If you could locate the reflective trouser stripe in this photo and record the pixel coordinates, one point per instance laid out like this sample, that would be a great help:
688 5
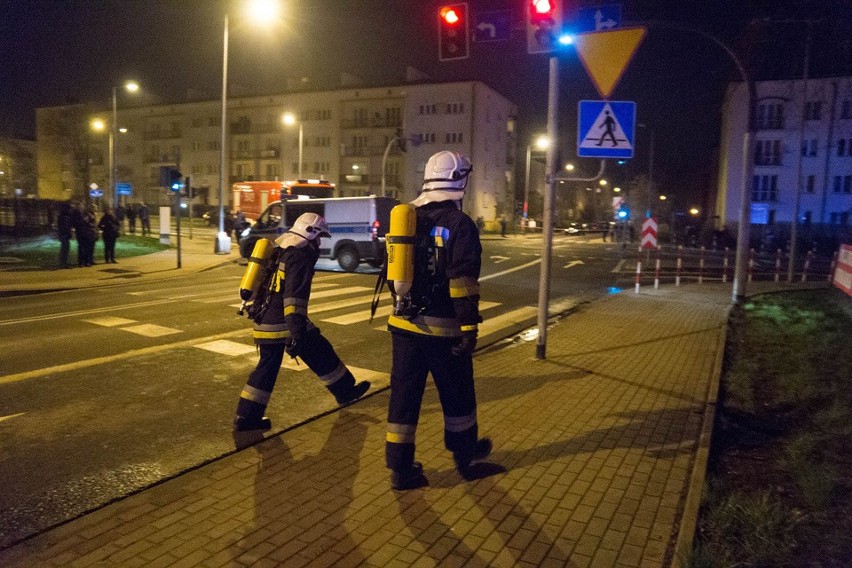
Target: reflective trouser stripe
255 395
459 423
427 325
401 433
334 376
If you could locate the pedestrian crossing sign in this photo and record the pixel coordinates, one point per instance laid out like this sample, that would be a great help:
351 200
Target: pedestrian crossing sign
606 129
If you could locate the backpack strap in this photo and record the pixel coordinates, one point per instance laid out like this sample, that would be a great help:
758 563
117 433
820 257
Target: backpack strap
380 284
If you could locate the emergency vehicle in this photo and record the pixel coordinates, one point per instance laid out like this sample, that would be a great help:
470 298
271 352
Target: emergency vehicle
252 197
358 226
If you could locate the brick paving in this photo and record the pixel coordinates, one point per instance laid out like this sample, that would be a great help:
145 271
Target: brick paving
601 451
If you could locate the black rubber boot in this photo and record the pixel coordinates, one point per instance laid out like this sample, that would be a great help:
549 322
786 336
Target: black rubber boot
353 394
481 450
412 478
243 424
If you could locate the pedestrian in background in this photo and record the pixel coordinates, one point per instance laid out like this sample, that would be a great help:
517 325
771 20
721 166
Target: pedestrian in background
503 226
65 229
131 217
437 334
87 235
119 216
145 219
110 228
285 327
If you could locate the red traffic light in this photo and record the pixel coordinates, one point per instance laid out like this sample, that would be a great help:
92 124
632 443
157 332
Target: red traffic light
452 32
450 15
543 7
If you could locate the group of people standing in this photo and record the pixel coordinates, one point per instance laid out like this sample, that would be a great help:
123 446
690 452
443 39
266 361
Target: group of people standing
80 222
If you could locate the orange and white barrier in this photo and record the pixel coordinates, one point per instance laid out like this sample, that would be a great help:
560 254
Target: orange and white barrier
843 269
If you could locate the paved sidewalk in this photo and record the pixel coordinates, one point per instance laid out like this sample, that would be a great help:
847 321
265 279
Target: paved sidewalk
196 254
603 446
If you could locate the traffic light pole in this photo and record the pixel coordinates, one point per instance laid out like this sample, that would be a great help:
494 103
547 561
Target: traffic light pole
549 200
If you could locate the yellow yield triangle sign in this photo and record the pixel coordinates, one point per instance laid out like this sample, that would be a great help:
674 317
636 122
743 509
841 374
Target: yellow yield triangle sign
605 55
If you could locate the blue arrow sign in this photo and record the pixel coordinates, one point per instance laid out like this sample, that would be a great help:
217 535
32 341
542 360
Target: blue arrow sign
96 193
492 26
599 18
606 129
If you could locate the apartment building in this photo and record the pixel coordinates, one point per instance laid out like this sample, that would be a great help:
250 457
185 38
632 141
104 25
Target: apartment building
802 158
347 136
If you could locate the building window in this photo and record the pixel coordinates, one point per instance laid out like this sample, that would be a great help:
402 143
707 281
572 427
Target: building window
272 171
770 116
809 184
213 121
842 184
455 108
840 218
809 147
768 153
213 145
453 138
429 109
844 147
807 217
764 188
846 109
813 110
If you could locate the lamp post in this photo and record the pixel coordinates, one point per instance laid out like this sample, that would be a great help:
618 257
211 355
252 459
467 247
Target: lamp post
130 87
541 143
262 11
290 119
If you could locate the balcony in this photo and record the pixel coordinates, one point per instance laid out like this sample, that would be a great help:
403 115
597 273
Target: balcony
767 160
376 122
171 134
161 158
349 151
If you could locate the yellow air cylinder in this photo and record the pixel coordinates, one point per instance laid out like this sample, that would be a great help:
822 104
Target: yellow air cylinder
255 269
400 247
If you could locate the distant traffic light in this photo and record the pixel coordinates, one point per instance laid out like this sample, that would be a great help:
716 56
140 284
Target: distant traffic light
544 25
452 32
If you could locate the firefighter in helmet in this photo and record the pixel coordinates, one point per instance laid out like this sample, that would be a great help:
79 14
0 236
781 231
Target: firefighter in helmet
434 329
285 327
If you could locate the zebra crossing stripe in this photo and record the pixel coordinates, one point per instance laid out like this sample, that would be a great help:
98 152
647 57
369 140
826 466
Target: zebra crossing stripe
491 325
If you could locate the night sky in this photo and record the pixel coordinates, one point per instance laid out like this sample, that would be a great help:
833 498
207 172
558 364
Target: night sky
62 51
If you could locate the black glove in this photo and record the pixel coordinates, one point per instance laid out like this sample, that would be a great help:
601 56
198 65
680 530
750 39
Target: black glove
466 345
293 343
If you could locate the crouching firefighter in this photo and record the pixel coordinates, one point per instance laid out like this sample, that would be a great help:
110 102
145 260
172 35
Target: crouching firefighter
433 272
278 280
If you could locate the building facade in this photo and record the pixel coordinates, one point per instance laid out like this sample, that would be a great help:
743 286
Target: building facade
17 168
348 136
802 154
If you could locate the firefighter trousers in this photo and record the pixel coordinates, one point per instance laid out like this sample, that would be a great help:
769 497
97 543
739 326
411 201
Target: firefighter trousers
318 355
414 357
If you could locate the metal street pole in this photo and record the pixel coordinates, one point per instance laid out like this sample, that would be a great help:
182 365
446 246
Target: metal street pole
549 201
794 225
301 134
113 135
527 187
223 165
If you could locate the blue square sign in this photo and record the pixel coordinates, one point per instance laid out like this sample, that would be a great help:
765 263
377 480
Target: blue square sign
606 129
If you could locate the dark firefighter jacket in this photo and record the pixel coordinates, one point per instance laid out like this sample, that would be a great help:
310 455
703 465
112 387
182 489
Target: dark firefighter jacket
453 306
288 307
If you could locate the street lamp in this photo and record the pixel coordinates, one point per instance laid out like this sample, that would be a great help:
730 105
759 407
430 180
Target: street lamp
130 87
263 12
541 144
290 119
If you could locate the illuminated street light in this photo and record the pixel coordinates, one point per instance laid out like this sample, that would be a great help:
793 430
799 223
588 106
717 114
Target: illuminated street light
616 189
98 125
130 87
569 167
694 211
290 119
541 143
263 12
662 198
602 182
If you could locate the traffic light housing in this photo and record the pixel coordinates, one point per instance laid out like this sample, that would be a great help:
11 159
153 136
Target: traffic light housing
170 178
452 32
544 25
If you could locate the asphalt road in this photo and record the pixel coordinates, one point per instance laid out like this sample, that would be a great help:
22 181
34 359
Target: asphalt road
104 392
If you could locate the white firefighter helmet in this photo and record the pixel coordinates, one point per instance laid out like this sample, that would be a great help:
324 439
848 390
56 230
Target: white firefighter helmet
307 227
445 178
